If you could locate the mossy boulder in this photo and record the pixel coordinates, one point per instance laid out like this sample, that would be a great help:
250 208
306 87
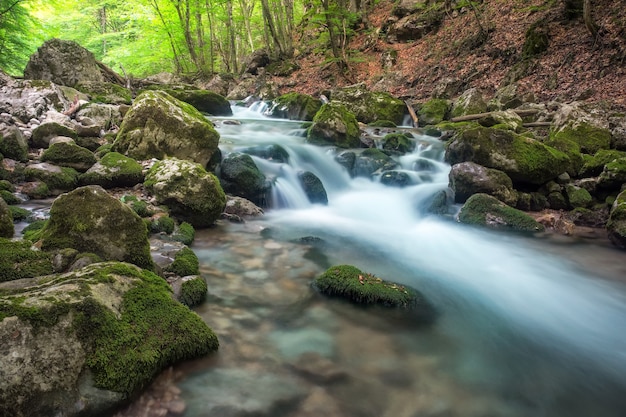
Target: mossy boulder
57 179
13 144
433 111
569 148
9 197
577 197
334 125
69 155
205 101
504 119
48 130
240 176
485 210
193 290
470 102
159 126
589 137
313 187
295 106
372 161
593 166
536 39
185 263
273 152
398 143
18 260
616 226
190 192
368 106
349 282
524 160
88 219
92 337
469 178
184 233
106 93
397 178
6 220
114 170
614 174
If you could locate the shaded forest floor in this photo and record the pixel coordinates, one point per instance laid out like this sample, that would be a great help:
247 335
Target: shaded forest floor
574 67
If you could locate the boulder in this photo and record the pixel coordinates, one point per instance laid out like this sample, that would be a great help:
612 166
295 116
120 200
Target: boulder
190 192
433 111
240 176
273 152
524 160
104 92
205 101
371 161
18 260
106 116
577 197
616 226
160 126
31 99
57 179
590 138
241 208
295 106
257 59
368 106
64 63
113 170
69 155
503 119
13 144
88 219
84 342
6 220
55 124
334 125
313 187
469 178
593 166
614 175
415 25
485 210
397 178
586 124
398 143
470 102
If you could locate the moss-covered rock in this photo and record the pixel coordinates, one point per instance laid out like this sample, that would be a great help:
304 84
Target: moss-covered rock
614 174
523 159
349 282
113 170
433 111
313 187
88 219
6 220
18 260
368 106
57 179
485 210
35 190
577 196
398 143
371 161
616 226
13 144
506 119
397 178
205 101
536 39
9 197
162 224
334 125
569 148
593 166
112 321
184 233
470 102
273 152
295 106
590 138
48 130
69 155
190 192
103 92
18 213
193 291
240 176
158 126
185 263
32 232
469 178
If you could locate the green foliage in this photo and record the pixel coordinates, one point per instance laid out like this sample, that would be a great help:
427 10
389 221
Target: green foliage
19 213
193 291
185 263
19 36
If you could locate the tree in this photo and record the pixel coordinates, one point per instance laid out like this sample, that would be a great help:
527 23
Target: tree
18 35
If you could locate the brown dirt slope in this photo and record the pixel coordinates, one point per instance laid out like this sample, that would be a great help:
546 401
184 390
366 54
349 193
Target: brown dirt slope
575 66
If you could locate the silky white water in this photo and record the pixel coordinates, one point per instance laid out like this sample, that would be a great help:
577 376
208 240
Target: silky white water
523 329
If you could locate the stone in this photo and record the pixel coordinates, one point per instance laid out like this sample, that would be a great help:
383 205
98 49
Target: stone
371 161
240 207
334 125
7 229
369 106
113 170
469 178
88 219
470 102
69 155
433 111
240 176
295 106
159 126
13 144
616 225
205 101
57 179
190 192
313 187
104 92
487 211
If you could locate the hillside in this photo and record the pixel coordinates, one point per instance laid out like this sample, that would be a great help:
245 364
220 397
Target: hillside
575 66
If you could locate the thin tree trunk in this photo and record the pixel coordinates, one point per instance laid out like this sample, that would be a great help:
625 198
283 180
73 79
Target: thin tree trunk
231 36
590 24
211 36
177 62
200 37
267 14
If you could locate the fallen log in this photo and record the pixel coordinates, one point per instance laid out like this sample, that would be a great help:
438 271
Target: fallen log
537 124
412 114
468 117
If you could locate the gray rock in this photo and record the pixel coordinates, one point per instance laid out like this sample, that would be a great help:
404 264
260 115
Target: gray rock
240 176
616 226
469 178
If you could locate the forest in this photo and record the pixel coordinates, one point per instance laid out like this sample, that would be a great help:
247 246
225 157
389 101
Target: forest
185 36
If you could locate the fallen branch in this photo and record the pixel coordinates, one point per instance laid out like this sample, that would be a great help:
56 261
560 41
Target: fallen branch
537 124
467 117
412 114
73 108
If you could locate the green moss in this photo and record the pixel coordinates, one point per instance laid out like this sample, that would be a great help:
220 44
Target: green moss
193 291
103 92
45 316
185 263
9 197
351 283
164 224
32 232
334 125
590 138
18 260
19 213
203 100
184 233
398 142
103 150
6 185
434 111
578 197
594 165
536 40
65 180
69 155
296 106
485 210
152 332
117 171
569 148
382 123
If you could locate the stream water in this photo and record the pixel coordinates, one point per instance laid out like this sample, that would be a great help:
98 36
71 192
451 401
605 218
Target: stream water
526 326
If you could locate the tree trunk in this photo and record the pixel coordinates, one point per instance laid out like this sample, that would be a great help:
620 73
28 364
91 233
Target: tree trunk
590 24
231 32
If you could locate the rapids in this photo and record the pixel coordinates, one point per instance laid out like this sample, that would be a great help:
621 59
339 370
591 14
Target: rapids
527 326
